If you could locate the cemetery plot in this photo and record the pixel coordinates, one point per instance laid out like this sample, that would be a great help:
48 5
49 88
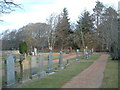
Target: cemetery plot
62 76
35 66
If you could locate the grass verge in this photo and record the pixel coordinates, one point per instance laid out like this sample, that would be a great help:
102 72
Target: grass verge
110 79
94 57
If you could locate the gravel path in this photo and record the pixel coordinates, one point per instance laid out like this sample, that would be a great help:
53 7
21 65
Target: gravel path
91 77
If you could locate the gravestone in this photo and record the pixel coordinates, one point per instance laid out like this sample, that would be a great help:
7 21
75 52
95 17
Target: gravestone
10 71
84 55
35 51
89 53
92 50
24 69
50 67
60 66
77 56
33 67
41 71
67 63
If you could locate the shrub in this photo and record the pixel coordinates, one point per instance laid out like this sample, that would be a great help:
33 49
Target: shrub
23 47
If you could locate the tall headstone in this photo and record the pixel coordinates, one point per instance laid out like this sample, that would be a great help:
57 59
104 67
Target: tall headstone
60 66
33 66
77 55
35 51
84 54
89 53
25 70
50 66
41 71
10 71
92 50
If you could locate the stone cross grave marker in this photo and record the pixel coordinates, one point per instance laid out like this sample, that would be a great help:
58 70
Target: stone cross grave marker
60 66
41 71
33 66
10 71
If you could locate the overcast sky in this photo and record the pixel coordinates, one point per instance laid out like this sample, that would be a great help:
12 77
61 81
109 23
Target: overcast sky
39 10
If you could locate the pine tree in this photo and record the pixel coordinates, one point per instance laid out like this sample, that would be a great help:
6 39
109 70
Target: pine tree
84 28
63 30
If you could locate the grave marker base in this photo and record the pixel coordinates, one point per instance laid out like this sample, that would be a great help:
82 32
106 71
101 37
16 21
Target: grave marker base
42 74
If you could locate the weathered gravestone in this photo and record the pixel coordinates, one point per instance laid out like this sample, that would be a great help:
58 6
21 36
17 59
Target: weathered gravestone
10 71
60 66
50 66
33 67
41 71
25 70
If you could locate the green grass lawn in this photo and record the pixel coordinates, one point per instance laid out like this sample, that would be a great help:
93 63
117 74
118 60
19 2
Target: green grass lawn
59 78
57 56
92 57
111 75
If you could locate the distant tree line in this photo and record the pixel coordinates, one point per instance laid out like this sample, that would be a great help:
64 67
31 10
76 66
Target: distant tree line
98 30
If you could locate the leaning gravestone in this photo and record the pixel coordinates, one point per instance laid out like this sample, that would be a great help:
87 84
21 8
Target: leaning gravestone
60 66
41 71
50 67
33 67
10 71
